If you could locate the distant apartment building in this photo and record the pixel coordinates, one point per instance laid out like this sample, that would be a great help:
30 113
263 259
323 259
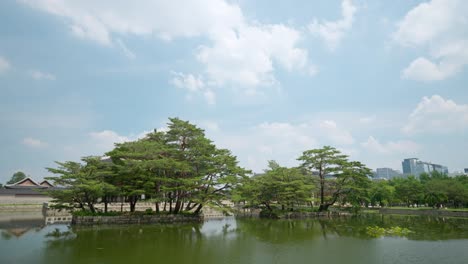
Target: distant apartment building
386 173
416 167
466 171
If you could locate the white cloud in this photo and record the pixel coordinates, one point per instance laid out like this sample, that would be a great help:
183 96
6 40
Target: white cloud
239 52
402 147
337 135
281 141
38 75
4 65
194 85
332 32
441 26
104 140
187 81
34 143
423 69
246 55
436 114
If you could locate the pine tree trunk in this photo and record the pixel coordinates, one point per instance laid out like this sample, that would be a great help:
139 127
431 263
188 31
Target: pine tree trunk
198 209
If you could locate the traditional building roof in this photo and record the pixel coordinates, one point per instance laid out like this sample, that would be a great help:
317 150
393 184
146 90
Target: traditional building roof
29 183
46 183
24 183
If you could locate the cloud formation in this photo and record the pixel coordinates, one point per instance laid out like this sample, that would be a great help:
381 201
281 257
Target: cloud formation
391 147
238 52
33 143
332 32
39 75
441 27
437 115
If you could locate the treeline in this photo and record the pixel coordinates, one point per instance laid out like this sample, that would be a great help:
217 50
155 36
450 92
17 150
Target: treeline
324 177
178 169
434 190
181 170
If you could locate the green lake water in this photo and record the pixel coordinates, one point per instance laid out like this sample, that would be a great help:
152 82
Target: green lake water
338 240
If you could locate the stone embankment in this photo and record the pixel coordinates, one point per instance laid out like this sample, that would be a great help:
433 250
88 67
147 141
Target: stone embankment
21 207
135 219
304 215
428 212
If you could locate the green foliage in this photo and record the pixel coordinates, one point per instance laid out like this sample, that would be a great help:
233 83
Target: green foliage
17 176
339 179
278 189
179 168
84 183
285 188
435 190
89 213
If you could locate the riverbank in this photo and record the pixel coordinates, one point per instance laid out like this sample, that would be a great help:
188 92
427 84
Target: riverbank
135 219
428 212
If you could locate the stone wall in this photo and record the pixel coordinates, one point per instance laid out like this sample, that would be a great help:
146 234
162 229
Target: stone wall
21 208
304 215
135 219
24 199
429 212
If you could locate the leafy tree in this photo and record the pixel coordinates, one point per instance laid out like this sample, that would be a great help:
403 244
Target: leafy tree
381 193
435 192
338 178
84 185
408 190
178 167
17 176
286 187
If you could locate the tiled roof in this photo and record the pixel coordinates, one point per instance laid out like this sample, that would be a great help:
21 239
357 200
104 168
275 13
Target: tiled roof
21 181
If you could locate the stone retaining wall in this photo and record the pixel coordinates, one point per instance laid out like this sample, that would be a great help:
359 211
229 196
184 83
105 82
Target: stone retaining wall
429 212
21 207
304 215
135 219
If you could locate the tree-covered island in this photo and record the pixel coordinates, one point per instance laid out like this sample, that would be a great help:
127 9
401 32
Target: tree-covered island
180 170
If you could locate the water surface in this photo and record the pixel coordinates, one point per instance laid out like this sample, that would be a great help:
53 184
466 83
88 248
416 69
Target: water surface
338 240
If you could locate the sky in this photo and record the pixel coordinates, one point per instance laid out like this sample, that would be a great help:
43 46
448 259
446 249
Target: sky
379 80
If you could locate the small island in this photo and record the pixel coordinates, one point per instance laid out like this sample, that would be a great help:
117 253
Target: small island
175 174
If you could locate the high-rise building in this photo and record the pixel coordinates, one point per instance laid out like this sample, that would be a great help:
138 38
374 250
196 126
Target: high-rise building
414 166
386 173
466 170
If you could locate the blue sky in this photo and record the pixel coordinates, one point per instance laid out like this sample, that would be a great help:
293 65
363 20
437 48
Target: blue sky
380 80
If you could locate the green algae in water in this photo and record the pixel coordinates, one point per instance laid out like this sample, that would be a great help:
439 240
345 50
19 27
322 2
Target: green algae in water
376 231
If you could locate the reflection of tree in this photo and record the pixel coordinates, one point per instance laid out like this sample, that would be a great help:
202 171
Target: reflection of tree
6 235
121 244
189 243
421 227
279 231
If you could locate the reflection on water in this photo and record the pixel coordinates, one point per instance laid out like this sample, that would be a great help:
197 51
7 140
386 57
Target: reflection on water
338 240
17 224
